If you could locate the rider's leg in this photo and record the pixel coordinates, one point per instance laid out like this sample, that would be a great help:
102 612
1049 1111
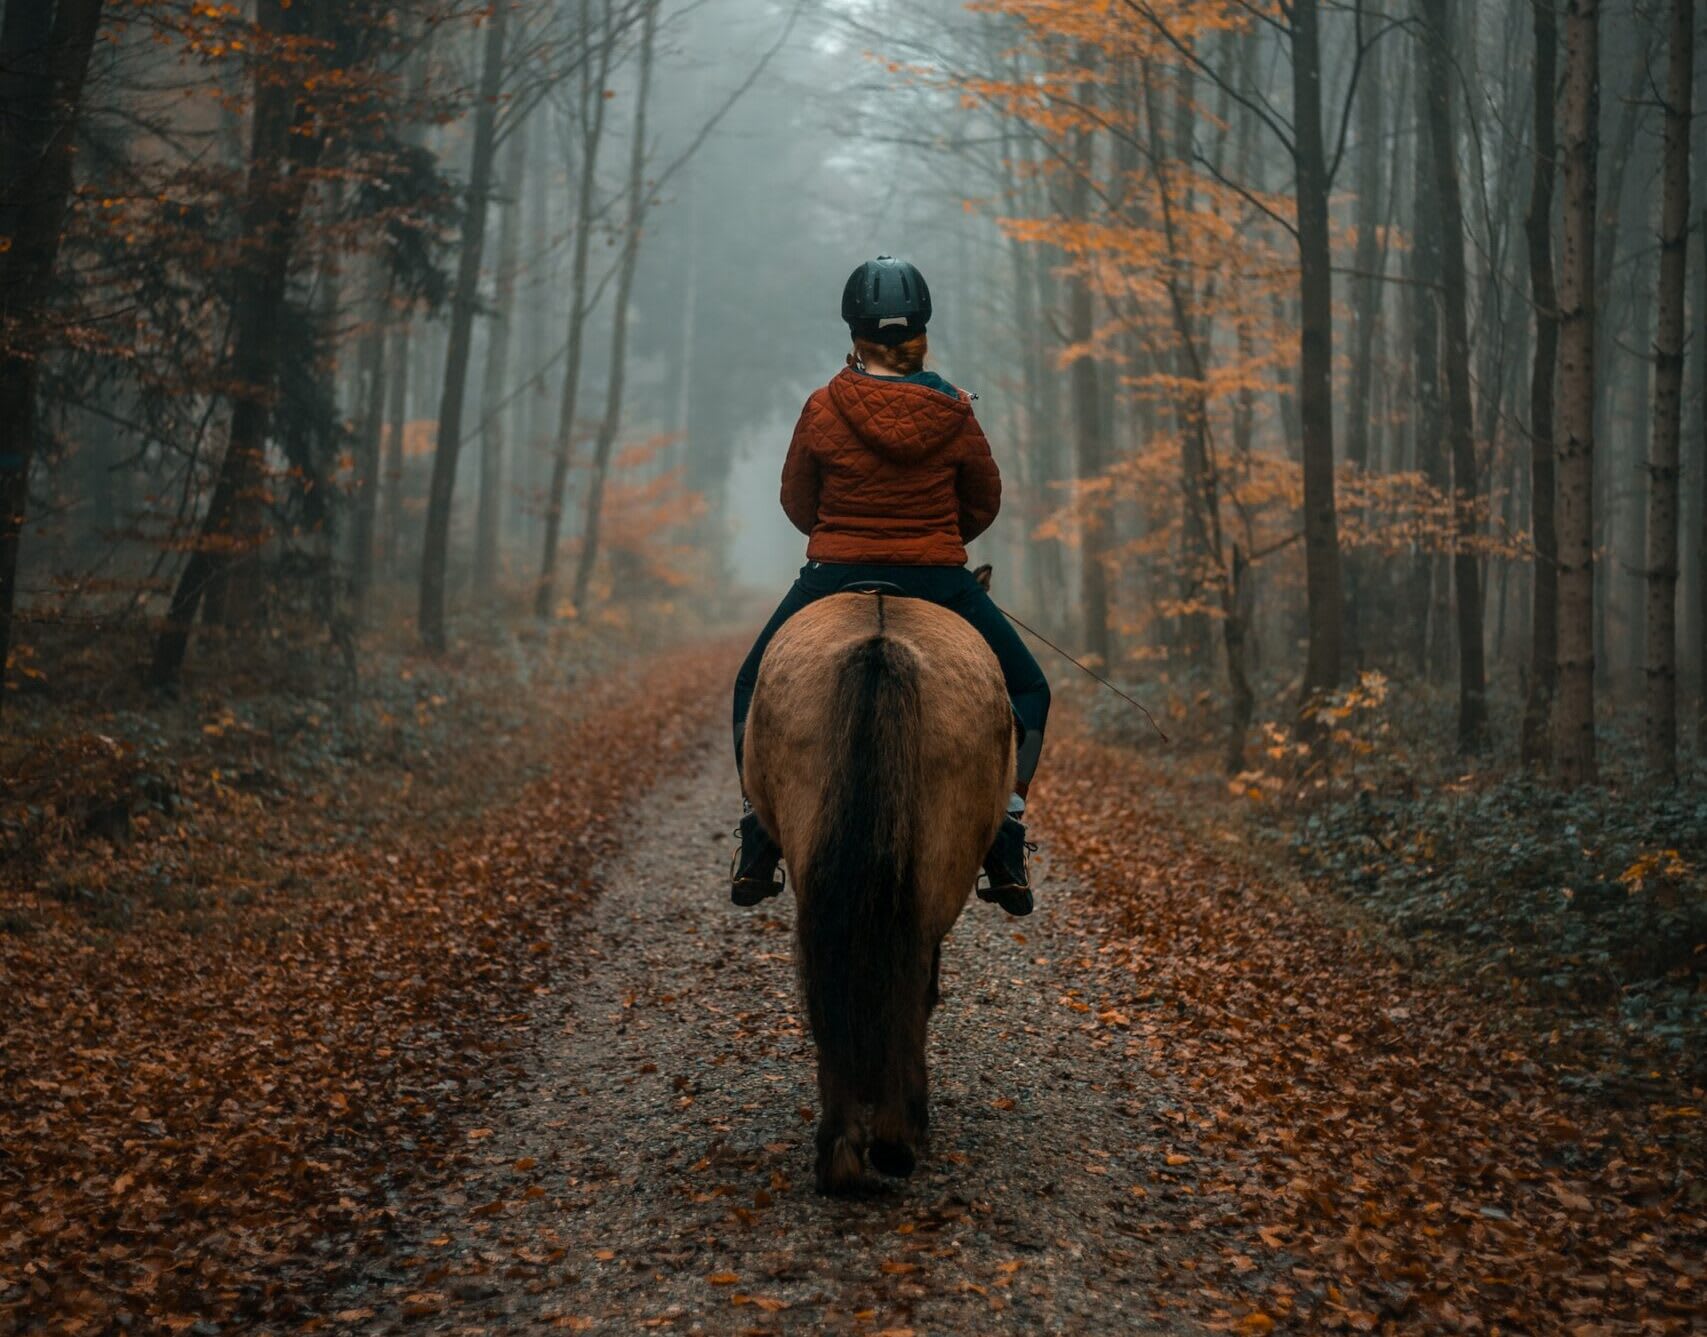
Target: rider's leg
747 677
1010 883
754 875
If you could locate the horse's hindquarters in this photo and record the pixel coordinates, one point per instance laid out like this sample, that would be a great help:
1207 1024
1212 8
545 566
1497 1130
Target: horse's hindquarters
879 752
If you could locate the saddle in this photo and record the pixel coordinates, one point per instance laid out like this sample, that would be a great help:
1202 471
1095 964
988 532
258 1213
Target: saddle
888 587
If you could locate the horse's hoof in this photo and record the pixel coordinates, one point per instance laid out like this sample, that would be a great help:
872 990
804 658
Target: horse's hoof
840 1168
895 1159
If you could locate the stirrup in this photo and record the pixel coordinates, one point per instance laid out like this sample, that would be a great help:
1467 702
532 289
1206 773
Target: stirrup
1014 898
746 891
751 890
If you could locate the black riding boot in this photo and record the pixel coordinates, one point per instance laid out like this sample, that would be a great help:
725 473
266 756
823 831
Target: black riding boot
1004 865
754 875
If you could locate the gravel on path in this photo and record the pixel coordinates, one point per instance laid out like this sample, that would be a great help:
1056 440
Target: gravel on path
654 1169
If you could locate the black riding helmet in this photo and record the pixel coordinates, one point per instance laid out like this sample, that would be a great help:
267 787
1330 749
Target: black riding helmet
886 300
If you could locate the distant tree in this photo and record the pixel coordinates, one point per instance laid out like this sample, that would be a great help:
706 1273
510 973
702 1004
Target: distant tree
435 550
1579 107
638 197
1366 293
1536 743
589 130
489 510
1467 582
1088 421
1668 400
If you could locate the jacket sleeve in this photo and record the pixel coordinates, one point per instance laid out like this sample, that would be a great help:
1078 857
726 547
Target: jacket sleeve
800 476
978 483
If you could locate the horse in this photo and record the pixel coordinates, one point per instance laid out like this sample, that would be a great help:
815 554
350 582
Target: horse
879 755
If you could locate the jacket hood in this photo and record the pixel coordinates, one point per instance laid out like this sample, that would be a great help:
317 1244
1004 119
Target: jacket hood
900 420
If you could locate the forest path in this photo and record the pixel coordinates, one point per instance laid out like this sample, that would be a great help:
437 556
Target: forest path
655 1168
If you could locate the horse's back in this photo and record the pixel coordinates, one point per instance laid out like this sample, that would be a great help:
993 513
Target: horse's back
963 738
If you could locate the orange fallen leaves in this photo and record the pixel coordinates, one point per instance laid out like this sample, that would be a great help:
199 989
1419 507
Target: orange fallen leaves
221 1096
1406 1154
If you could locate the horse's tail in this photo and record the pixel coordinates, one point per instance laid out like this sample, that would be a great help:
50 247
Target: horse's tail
864 965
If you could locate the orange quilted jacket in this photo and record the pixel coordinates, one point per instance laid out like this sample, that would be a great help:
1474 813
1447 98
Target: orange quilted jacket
889 472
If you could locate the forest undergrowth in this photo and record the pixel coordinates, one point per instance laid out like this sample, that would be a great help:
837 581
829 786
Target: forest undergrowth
265 943
1583 912
1388 1153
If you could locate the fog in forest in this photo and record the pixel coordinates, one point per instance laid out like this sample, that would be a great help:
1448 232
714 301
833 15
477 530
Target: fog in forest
1262 371
395 398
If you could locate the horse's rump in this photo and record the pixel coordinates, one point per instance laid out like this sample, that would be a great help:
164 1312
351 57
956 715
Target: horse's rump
879 751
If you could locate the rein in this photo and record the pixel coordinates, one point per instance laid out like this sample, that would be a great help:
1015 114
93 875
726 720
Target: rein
1086 669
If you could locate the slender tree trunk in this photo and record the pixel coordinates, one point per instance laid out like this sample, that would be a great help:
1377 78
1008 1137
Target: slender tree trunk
1573 710
44 60
592 123
1235 628
1429 576
1701 536
1610 301
489 511
396 418
1315 368
1629 487
371 364
1668 401
272 205
1472 687
435 551
638 200
1366 308
1537 747
1047 413
1087 412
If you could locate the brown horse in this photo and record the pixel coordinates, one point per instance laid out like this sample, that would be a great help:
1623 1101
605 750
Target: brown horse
879 754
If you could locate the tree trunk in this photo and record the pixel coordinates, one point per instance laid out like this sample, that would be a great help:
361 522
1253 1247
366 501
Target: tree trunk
435 551
1046 402
371 363
272 204
1428 578
1537 747
1573 710
396 417
1087 414
1366 307
592 122
1472 688
1701 537
1315 369
489 511
1610 301
44 59
1668 402
612 422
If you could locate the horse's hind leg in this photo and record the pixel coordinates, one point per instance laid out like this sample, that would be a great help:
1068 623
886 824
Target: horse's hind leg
899 1121
934 996
841 1151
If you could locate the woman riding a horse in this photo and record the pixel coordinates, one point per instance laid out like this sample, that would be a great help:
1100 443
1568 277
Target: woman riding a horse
890 476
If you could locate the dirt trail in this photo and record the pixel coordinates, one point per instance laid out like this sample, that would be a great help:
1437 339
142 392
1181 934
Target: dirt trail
654 1170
